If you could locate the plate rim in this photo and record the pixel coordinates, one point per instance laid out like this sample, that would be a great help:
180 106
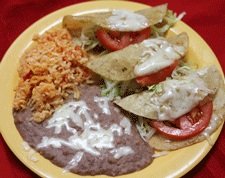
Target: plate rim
4 63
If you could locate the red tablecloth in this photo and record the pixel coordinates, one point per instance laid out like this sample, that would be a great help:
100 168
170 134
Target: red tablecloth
206 17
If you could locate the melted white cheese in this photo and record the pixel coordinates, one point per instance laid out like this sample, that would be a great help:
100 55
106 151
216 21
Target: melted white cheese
93 135
124 20
96 116
211 127
103 103
121 152
125 123
61 117
116 109
160 154
31 157
179 96
25 146
160 54
74 161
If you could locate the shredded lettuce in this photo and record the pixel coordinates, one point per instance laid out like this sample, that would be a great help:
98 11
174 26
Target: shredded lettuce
106 51
114 89
110 89
184 68
88 32
88 38
168 21
145 130
172 18
155 88
90 44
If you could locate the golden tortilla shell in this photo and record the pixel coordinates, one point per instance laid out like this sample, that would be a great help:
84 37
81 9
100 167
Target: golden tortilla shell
180 40
160 142
137 104
153 14
119 65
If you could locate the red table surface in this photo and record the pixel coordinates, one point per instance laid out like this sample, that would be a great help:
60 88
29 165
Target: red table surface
206 17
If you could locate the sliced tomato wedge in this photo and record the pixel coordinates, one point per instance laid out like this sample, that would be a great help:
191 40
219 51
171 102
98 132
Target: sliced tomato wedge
110 43
115 40
158 76
139 36
187 128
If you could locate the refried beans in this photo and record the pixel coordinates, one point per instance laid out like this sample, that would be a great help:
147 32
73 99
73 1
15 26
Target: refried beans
89 136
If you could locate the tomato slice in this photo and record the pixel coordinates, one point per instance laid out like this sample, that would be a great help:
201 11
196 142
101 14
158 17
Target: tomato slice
140 36
158 76
111 43
187 129
115 34
115 40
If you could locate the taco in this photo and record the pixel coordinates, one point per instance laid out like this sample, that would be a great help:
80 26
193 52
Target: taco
184 110
150 16
126 64
114 30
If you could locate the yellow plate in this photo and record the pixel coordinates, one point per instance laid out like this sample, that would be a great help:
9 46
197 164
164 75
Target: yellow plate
175 164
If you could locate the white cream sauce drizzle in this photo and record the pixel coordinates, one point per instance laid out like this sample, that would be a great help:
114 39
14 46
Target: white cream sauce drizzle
96 116
73 162
162 153
103 103
160 54
121 151
124 20
125 123
61 117
176 94
116 109
93 135
212 126
31 157
26 147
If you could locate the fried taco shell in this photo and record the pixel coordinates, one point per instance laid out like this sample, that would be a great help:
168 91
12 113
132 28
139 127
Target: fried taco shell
140 105
137 104
119 65
153 14
160 142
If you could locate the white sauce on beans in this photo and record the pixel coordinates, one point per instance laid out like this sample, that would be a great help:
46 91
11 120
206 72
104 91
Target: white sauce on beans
121 151
73 162
92 138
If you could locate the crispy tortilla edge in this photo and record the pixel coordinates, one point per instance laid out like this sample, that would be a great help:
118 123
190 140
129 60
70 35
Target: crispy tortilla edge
119 65
161 142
